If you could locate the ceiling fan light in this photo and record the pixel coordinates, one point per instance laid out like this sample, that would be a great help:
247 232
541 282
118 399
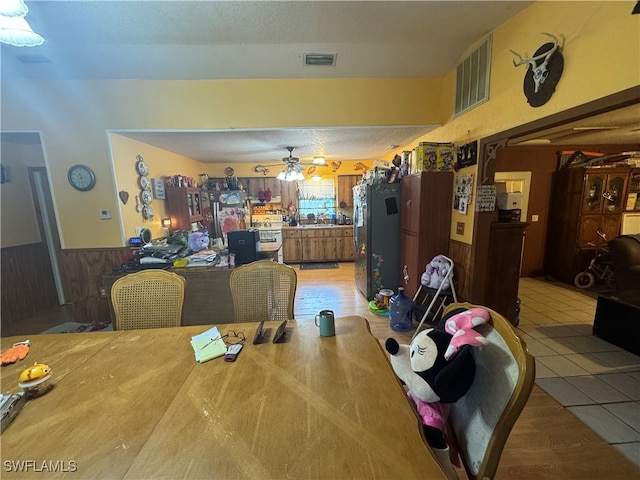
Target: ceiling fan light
282 175
13 8
316 178
319 161
17 32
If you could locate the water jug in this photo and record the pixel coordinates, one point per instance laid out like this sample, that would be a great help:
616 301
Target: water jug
400 318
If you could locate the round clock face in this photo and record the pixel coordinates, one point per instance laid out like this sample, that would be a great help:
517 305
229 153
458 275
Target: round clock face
81 178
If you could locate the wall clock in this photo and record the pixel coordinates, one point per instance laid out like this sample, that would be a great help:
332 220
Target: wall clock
81 178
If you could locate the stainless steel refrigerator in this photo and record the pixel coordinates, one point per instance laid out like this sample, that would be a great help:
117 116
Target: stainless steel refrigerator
376 231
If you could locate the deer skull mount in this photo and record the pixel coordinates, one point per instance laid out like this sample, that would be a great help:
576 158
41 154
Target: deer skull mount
545 70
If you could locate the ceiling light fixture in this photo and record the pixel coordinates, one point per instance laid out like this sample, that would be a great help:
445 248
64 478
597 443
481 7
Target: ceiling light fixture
14 29
319 161
291 173
13 8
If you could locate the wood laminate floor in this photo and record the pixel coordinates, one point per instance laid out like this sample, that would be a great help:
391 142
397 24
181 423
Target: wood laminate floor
589 431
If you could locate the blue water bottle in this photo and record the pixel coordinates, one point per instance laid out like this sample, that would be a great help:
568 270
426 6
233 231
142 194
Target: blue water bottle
400 318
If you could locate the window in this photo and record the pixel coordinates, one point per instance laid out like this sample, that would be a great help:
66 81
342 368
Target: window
317 201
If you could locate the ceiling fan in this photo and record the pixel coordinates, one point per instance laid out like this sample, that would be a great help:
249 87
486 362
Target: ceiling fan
293 166
291 160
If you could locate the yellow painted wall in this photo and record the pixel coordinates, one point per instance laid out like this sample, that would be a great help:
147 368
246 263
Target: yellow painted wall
601 52
326 171
602 56
161 163
18 223
75 118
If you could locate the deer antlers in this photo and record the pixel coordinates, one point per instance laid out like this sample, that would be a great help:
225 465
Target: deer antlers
540 72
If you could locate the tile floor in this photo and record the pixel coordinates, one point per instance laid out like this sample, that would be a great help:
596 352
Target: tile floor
596 380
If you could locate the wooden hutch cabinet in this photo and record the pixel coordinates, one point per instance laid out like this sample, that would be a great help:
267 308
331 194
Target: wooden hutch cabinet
584 201
184 207
425 221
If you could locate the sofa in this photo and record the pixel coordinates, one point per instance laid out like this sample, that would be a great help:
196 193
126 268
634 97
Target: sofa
625 255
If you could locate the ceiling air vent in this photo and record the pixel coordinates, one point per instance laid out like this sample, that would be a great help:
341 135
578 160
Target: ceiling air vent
321 59
33 59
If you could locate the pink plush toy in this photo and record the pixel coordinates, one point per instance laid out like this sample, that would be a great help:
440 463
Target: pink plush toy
436 273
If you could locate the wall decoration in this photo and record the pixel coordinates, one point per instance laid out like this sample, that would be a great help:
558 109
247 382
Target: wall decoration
545 70
5 174
261 169
467 155
157 184
81 177
335 166
143 201
359 166
485 198
124 196
462 194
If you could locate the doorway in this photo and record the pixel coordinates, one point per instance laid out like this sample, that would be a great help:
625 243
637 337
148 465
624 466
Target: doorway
43 205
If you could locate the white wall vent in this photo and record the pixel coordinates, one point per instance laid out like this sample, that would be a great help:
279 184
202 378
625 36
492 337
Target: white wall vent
472 78
321 59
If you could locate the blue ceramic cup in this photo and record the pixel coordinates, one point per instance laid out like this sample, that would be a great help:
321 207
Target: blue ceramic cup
326 322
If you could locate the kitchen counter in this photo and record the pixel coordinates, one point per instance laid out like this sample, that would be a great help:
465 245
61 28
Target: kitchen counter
317 225
208 294
317 243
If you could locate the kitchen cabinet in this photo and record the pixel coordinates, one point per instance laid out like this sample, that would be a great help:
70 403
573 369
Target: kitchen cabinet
425 220
291 245
255 185
345 189
184 207
584 202
317 244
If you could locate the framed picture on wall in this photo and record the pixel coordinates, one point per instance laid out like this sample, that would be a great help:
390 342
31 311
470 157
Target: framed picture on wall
157 184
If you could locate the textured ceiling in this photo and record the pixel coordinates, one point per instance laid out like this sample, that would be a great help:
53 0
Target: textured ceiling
182 40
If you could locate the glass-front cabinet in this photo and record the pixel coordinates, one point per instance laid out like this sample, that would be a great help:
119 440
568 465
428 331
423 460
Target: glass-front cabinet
592 200
604 193
587 208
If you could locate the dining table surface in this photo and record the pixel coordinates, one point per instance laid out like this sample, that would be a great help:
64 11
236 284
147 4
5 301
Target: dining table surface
136 404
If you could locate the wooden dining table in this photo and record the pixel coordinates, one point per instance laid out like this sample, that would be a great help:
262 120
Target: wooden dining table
135 404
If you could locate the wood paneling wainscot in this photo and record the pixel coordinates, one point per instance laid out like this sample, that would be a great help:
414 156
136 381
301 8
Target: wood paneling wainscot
460 254
83 270
27 282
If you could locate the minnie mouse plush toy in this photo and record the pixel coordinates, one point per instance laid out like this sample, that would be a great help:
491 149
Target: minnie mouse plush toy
438 369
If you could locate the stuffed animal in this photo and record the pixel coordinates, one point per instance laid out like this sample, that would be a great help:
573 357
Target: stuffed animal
438 369
436 273
198 241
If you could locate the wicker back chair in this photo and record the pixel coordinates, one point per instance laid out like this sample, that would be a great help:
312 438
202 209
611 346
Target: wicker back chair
483 418
263 290
148 299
